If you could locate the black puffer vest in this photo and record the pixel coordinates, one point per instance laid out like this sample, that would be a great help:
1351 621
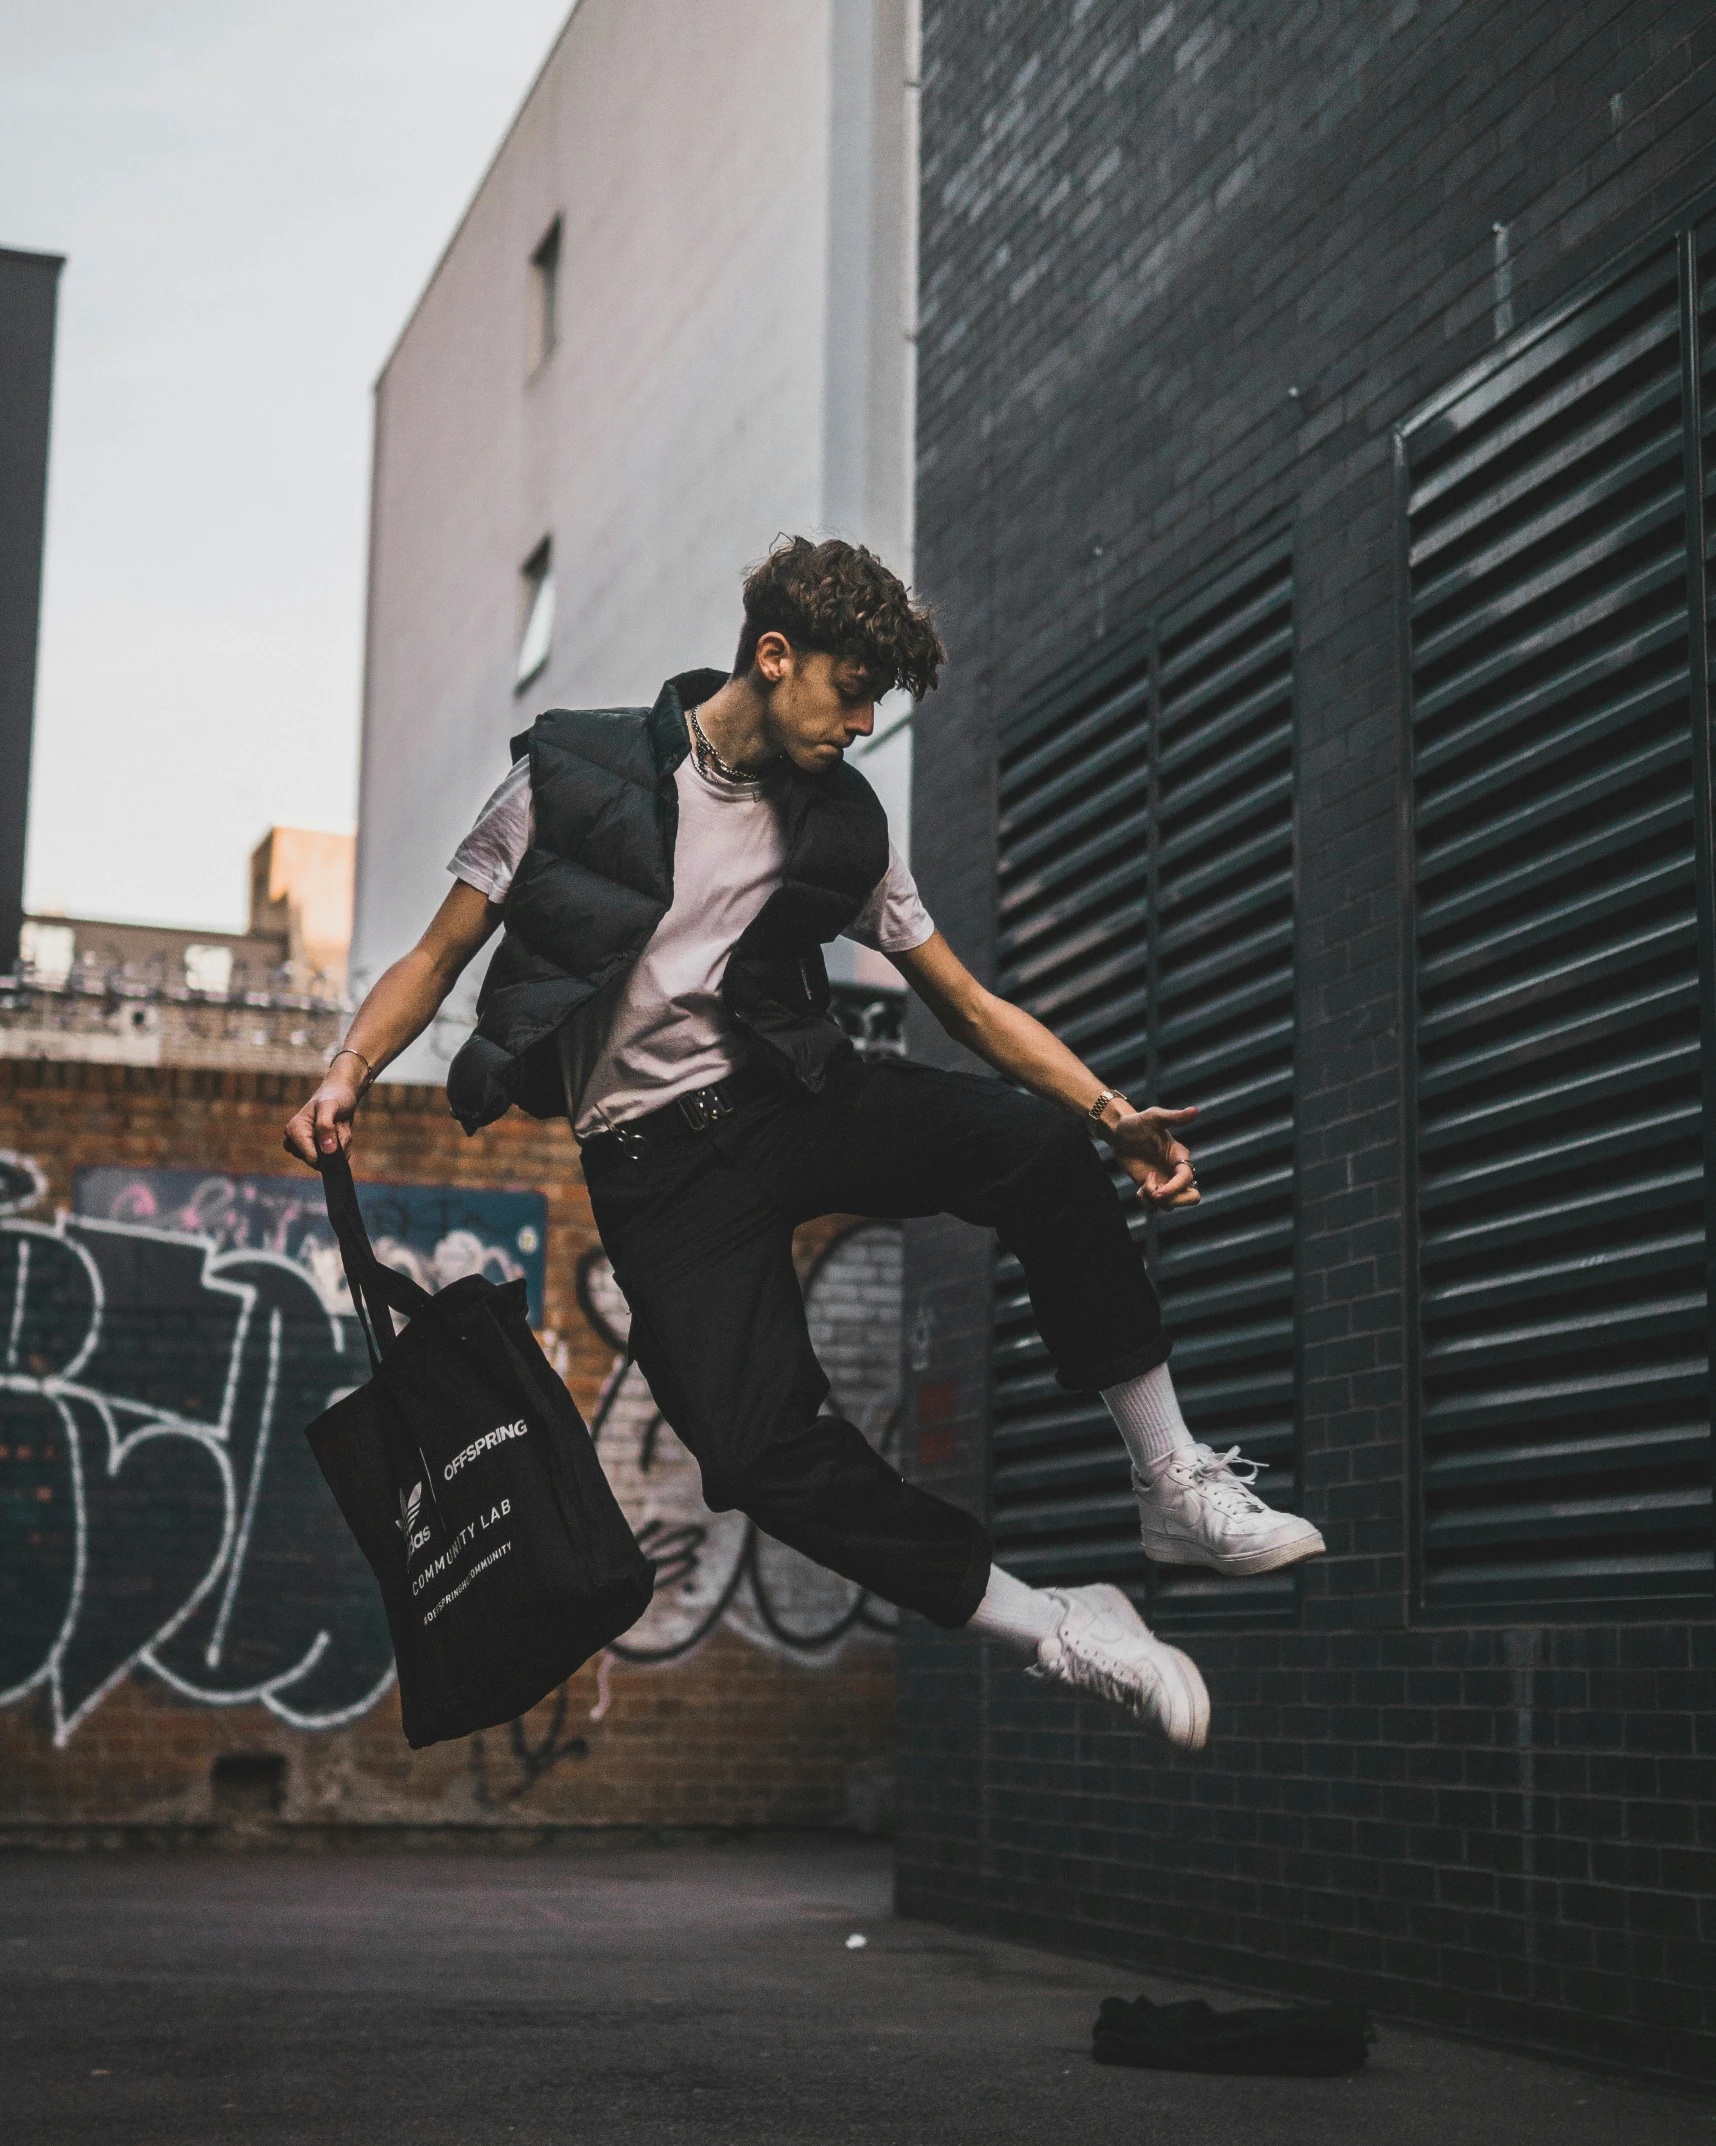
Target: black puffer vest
598 879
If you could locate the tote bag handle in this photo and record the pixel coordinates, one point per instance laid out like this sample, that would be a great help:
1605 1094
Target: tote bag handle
377 1290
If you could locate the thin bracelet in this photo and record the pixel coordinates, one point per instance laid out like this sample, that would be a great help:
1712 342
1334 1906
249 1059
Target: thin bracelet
345 1051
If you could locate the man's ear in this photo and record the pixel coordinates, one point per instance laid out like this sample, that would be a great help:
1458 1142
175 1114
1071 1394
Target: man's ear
773 659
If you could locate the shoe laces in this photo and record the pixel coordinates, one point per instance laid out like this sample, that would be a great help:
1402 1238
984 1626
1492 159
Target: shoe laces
1218 1472
1089 1664
1087 1675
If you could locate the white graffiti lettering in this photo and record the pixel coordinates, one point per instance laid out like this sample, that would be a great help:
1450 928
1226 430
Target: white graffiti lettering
153 1545
720 1568
159 1525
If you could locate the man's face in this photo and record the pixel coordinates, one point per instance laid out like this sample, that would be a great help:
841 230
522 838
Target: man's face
817 704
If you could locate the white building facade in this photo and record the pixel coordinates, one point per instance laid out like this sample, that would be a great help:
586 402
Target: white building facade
675 322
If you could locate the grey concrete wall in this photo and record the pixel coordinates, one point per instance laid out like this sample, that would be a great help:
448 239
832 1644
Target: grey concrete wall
733 291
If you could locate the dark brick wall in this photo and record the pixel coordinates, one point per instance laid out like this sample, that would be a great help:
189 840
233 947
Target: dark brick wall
1184 267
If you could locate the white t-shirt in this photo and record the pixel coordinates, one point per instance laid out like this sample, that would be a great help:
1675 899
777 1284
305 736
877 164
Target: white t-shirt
667 1031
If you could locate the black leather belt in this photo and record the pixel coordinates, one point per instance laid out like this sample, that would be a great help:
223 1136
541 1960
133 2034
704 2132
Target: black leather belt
688 1115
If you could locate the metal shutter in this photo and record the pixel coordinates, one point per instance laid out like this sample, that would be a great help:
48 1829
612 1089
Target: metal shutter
1702 272
1146 914
1561 941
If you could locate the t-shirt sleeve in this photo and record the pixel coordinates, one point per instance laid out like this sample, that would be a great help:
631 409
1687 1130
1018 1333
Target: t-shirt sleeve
894 919
494 849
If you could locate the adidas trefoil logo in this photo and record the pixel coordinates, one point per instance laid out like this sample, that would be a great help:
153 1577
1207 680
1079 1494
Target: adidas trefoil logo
410 1511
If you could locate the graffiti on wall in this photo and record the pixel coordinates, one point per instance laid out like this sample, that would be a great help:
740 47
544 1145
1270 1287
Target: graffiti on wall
21 1182
161 1349
435 1233
715 1568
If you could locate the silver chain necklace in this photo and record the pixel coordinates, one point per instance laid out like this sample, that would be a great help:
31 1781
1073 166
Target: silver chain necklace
708 756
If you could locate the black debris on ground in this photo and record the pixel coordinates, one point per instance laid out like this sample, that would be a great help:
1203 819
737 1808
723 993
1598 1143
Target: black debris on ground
1298 2041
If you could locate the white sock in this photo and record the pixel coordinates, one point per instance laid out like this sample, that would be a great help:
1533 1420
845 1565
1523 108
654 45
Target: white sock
1010 1610
1148 1417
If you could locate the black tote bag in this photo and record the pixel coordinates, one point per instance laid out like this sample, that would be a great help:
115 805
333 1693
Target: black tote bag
471 1484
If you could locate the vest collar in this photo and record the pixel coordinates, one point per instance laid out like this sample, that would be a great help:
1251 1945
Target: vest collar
667 734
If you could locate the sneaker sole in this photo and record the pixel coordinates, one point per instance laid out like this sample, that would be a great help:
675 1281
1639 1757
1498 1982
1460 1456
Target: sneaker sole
1194 1693
1197 1694
1237 1565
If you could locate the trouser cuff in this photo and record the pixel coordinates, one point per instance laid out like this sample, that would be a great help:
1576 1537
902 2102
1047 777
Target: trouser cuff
973 1585
1113 1370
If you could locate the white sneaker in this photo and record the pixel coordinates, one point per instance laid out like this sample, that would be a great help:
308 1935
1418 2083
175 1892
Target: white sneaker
1201 1511
1101 1644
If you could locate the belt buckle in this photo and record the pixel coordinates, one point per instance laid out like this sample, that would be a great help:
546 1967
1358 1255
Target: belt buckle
703 1107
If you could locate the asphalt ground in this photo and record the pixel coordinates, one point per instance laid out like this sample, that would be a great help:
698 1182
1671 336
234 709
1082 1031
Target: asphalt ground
701 1994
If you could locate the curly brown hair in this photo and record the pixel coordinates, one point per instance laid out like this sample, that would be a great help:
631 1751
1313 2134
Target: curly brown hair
838 599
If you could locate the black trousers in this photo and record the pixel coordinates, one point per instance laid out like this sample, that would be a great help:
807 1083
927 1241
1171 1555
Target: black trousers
699 1229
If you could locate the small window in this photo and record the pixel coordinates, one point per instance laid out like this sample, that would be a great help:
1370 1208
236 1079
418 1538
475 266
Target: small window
48 951
545 296
208 968
538 614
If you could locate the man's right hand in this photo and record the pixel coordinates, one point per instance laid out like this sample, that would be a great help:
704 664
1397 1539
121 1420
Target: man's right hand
325 1122
404 1001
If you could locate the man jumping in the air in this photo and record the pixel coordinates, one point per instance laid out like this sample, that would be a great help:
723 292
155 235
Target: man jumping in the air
667 878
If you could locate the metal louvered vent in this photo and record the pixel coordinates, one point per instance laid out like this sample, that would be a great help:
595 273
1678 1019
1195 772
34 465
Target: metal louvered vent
1703 270
1563 1327
1146 868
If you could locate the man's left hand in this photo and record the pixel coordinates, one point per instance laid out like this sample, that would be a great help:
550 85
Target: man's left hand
1158 1164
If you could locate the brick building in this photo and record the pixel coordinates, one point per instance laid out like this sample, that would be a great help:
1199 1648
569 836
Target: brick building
270 999
189 1641
1314 429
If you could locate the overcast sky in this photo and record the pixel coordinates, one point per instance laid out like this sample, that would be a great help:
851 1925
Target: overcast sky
250 194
